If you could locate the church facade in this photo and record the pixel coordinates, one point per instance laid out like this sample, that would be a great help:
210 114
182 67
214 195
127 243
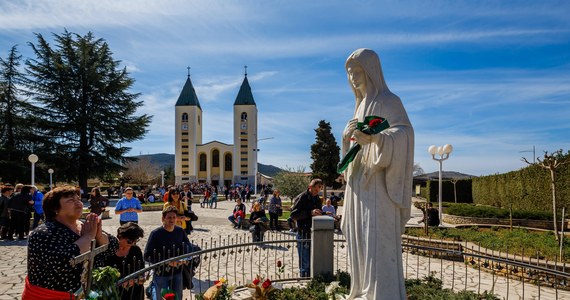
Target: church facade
215 162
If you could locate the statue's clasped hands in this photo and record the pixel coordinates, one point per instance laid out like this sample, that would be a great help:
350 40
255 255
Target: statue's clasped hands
349 129
361 138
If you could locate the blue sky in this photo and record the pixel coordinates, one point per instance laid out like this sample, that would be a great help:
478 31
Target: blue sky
492 78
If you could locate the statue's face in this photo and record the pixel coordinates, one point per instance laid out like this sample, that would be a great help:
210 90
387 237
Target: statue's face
357 77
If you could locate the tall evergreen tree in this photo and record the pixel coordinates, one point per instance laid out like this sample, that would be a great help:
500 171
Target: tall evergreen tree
16 134
325 154
88 112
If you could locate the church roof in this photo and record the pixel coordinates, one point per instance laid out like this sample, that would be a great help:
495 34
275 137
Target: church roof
188 95
244 97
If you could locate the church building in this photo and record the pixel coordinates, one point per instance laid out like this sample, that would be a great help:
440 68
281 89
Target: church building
215 162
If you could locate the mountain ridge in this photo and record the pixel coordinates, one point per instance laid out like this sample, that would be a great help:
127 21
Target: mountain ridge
164 160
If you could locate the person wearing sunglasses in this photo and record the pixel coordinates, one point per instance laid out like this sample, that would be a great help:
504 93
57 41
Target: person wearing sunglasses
181 207
129 259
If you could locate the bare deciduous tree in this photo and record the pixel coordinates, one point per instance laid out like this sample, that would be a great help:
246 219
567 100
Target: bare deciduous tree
292 182
551 162
141 171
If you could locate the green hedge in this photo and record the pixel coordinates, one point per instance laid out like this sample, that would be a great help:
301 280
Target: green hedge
467 210
525 189
464 193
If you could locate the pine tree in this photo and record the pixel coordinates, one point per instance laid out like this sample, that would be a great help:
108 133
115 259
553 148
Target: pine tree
16 134
88 112
325 154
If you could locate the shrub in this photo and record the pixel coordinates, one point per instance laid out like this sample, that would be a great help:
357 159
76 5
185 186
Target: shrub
479 211
428 288
431 288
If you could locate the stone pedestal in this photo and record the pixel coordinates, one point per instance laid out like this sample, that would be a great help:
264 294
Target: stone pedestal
322 257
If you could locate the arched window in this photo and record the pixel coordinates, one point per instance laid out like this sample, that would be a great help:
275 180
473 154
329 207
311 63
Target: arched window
184 117
215 158
198 120
228 162
203 162
243 116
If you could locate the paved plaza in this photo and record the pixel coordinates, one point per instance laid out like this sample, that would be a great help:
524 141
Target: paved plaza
213 224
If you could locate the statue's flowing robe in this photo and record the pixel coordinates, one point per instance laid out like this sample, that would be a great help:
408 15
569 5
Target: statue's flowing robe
378 191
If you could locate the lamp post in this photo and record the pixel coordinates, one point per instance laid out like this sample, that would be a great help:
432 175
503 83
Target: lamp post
533 154
443 153
33 159
162 174
50 171
121 174
255 164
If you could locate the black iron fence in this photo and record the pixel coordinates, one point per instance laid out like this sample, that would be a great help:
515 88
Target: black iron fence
461 266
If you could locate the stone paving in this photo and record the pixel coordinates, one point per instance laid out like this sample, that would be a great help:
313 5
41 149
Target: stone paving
213 226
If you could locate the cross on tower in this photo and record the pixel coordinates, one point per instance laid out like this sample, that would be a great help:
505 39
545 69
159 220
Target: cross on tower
88 259
188 70
245 67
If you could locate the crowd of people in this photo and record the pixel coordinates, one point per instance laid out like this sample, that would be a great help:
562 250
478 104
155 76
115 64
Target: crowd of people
64 235
18 204
63 231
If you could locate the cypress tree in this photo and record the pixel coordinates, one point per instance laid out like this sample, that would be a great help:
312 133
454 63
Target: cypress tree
325 153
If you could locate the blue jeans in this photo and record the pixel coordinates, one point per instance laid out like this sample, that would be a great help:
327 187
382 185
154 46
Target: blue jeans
37 218
233 220
304 251
173 282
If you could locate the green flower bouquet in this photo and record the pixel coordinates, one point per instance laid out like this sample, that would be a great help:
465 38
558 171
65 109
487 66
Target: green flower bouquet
104 287
371 125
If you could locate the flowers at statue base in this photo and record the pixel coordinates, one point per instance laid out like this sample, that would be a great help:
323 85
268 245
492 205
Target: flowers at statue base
280 268
169 296
332 291
103 284
260 288
219 291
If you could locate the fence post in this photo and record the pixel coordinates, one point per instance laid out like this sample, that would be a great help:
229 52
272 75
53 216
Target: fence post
322 258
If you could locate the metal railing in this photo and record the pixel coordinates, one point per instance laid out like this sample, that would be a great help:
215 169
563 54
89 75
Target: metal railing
459 266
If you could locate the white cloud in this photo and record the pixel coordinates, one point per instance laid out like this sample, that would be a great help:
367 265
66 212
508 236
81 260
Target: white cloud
297 49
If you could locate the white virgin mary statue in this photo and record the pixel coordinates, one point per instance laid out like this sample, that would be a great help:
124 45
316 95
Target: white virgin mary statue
379 184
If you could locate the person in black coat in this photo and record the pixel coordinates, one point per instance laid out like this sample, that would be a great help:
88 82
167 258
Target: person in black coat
257 219
129 259
5 199
19 208
305 206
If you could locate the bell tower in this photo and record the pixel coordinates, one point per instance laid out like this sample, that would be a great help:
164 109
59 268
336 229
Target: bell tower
245 134
188 133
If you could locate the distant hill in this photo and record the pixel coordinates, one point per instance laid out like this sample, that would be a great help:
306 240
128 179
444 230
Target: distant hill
445 175
163 160
268 170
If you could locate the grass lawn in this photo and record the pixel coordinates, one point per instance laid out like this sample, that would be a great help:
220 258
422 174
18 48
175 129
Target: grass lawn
517 241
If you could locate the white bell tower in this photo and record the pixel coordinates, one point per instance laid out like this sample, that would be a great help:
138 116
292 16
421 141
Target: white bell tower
245 134
188 133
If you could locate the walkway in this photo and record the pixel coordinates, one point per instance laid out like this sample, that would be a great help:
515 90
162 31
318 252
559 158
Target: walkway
213 224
